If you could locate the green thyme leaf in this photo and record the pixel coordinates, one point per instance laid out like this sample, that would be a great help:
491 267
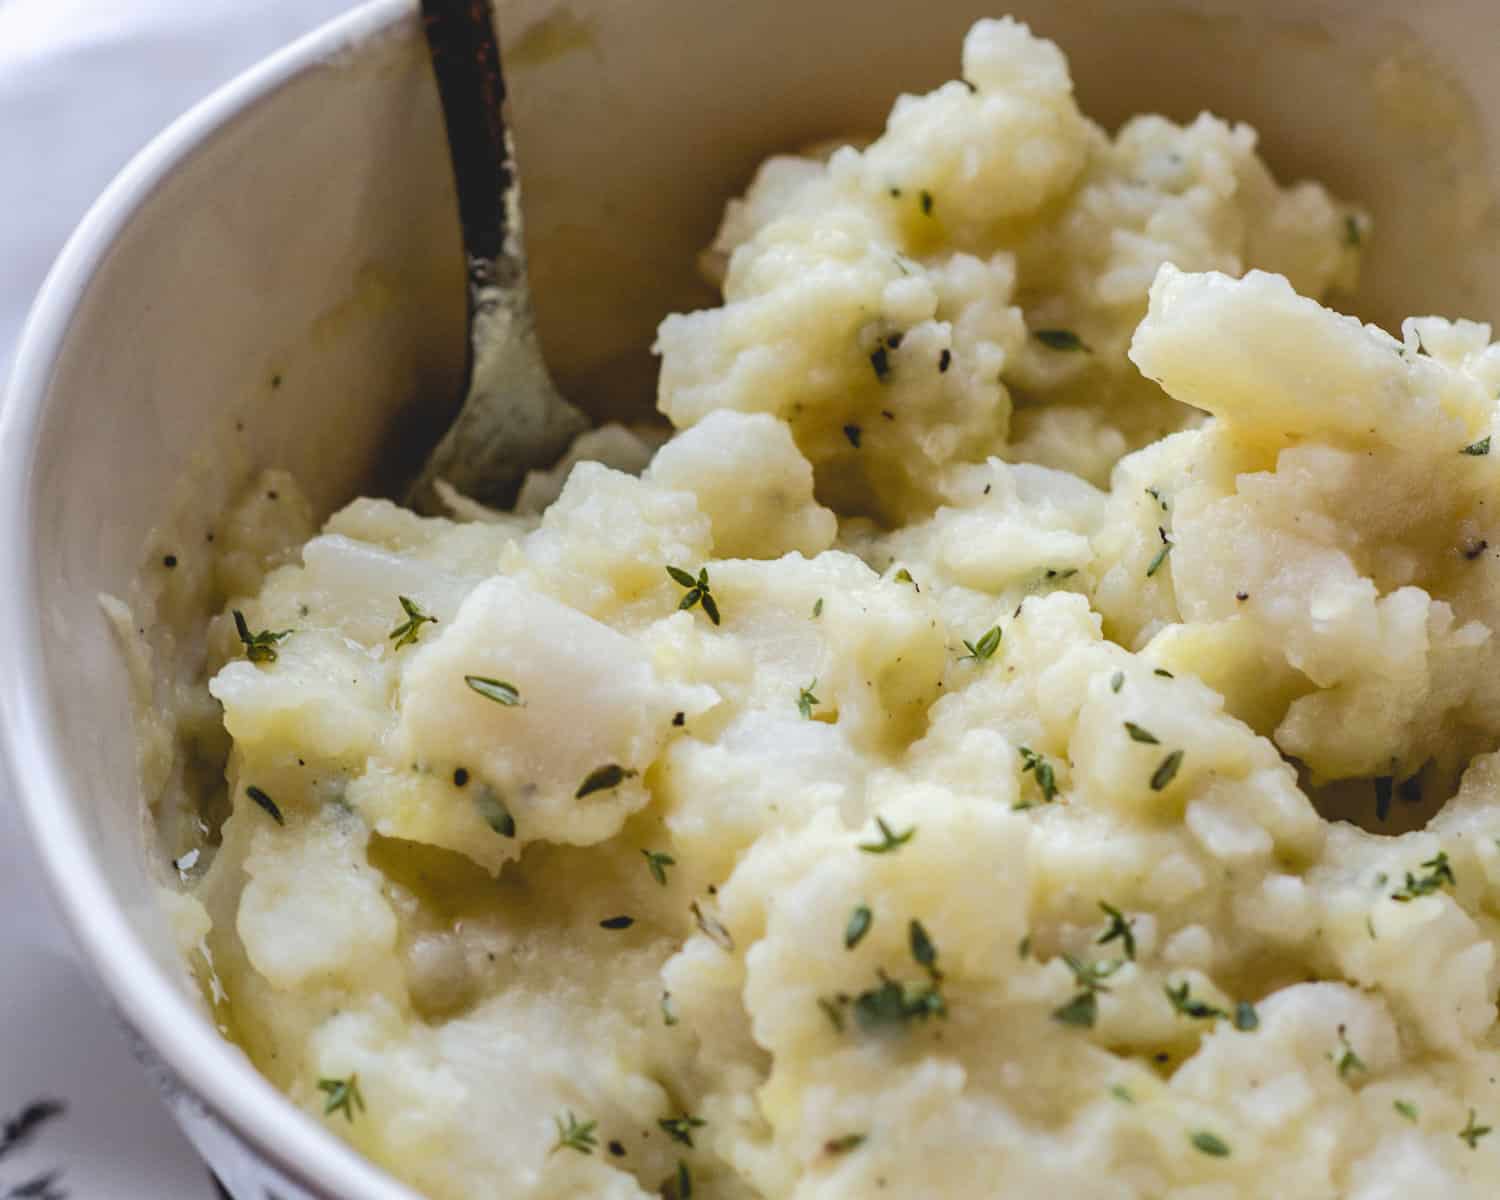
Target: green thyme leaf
1246 1019
1144 736
985 647
1439 872
1117 681
343 1096
1471 1132
1161 557
1478 449
1121 1093
1351 230
1041 770
806 701
1081 1011
922 949
266 803
496 815
668 1012
1183 1003
844 1144
712 928
889 841
259 647
1348 1061
573 1134
683 1183
1119 928
1166 771
1060 339
603 779
407 633
657 863
494 689
1209 1143
817 608
859 925
1406 1108
904 576
680 1129
698 592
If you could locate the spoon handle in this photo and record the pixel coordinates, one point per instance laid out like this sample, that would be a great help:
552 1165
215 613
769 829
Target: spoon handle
465 51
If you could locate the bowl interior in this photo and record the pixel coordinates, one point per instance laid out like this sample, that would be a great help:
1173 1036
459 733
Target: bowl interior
286 288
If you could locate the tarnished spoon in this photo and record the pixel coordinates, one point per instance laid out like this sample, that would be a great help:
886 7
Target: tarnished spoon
513 418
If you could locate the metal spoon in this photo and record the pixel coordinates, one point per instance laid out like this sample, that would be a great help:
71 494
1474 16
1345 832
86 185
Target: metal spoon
513 419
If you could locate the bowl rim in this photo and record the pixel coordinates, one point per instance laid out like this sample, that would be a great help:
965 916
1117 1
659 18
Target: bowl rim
217 1074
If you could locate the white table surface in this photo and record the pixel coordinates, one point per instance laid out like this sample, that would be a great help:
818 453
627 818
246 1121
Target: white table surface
83 85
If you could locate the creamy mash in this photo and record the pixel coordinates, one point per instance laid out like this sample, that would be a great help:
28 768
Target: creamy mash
909 782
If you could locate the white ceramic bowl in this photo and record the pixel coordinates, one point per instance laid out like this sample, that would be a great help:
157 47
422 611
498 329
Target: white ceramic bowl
285 257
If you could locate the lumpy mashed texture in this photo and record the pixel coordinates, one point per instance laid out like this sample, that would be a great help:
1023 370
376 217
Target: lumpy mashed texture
904 785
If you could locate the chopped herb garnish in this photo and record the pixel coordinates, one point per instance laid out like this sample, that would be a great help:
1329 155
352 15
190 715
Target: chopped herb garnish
1348 1060
617 922
1157 496
1121 1093
904 576
1083 1009
1117 681
1144 736
1041 769
573 1134
1209 1143
1161 556
880 362
1166 771
817 608
683 1182
859 925
926 203
407 633
712 928
853 433
1246 1019
496 815
1119 928
842 1145
1471 1132
1023 948
1183 1002
922 949
984 648
343 1096
494 689
806 701
1351 230
603 779
680 1129
697 592
1438 874
896 1003
1406 1108
1164 673
1478 449
266 803
889 841
668 1013
657 863
1060 339
259 647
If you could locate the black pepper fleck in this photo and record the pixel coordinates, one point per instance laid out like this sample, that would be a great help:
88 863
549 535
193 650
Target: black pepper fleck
894 340
853 433
1474 547
460 777
617 1149
945 360
680 720
617 922
880 361
1242 596
169 561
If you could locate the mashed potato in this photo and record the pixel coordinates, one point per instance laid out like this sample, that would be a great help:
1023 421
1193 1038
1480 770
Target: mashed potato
905 784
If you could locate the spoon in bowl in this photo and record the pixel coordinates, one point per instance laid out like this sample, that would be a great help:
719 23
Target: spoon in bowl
513 418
